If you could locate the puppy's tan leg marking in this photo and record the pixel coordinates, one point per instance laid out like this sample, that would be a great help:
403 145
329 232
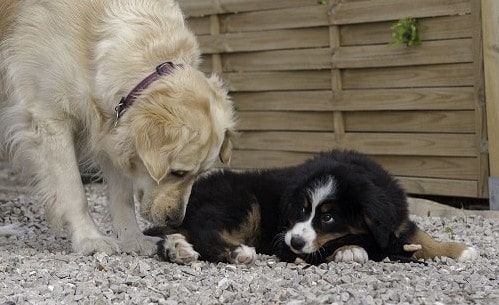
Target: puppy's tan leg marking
432 248
247 233
348 254
179 250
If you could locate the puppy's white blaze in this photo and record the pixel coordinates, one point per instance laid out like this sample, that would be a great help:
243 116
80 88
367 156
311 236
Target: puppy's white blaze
305 229
321 191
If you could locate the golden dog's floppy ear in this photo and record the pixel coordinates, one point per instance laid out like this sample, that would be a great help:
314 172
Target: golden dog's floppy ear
157 146
225 116
226 149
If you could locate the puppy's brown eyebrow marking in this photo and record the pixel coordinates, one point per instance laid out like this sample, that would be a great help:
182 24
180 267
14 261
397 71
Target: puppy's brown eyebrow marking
326 207
306 204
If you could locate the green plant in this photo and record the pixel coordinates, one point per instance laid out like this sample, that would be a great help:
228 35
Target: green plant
448 230
323 2
406 32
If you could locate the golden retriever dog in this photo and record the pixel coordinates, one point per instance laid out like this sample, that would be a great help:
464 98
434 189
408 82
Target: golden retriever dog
114 82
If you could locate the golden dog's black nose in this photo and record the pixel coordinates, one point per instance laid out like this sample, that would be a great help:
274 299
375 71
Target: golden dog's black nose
297 242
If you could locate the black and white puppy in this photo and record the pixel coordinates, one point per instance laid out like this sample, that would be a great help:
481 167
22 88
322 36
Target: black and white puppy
338 206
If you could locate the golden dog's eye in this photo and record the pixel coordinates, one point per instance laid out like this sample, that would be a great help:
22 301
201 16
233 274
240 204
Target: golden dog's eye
179 173
327 218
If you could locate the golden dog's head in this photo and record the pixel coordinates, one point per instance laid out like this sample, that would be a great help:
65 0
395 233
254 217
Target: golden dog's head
177 128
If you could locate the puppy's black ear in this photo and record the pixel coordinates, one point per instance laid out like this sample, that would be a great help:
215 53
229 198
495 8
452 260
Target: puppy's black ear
378 226
384 213
378 212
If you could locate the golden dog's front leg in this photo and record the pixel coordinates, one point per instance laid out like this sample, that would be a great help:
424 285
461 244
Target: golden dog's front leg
54 163
122 208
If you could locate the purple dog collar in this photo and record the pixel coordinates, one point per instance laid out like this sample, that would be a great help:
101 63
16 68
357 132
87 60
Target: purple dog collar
125 102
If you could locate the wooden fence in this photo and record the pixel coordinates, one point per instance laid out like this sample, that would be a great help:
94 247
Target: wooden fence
307 77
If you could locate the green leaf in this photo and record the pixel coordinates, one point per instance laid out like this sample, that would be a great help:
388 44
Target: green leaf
406 32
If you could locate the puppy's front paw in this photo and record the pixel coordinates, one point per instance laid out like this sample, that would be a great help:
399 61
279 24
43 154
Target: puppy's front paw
300 261
140 244
349 254
468 254
93 244
243 255
176 249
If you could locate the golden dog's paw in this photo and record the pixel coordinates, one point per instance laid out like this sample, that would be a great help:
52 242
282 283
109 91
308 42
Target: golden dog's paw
12 229
468 254
348 254
140 244
90 245
179 250
244 255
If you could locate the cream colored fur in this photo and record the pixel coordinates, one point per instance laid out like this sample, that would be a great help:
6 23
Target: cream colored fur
65 65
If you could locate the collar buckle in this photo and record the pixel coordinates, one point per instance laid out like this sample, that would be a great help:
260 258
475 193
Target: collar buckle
119 109
162 69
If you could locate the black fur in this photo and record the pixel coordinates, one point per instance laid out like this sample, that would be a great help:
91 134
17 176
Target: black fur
367 205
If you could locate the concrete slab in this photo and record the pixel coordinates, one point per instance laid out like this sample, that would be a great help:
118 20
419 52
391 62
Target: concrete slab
424 207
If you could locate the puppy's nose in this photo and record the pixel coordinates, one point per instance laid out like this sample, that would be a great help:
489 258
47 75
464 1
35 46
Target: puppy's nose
297 242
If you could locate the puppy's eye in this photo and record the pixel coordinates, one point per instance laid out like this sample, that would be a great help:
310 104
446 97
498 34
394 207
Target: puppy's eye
327 218
178 173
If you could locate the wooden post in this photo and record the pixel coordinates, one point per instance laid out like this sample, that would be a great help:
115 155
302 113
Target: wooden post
490 28
216 58
336 83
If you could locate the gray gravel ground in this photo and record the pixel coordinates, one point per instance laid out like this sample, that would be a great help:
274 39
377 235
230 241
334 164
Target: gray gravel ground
37 267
